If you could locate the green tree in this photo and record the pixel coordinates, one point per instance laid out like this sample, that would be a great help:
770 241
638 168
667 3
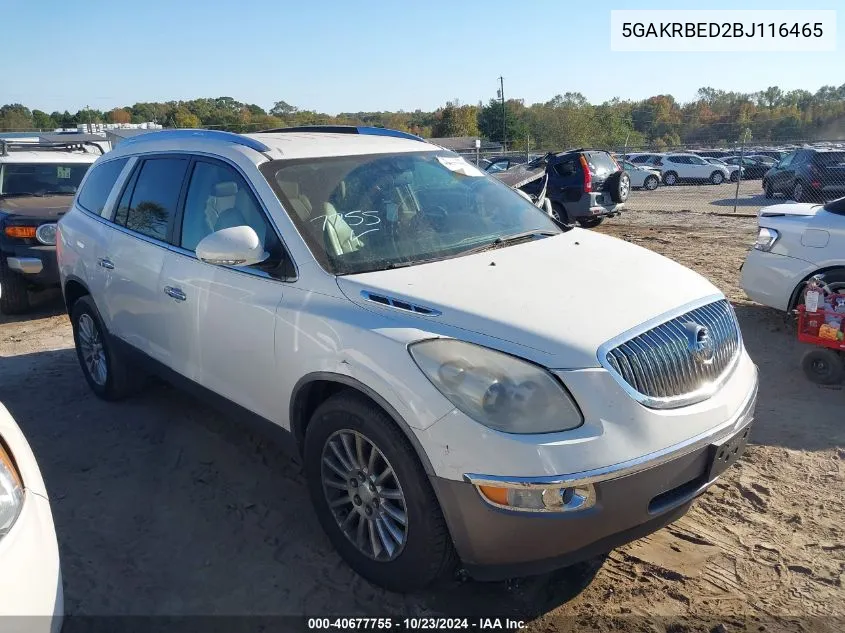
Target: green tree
43 121
456 120
15 116
184 118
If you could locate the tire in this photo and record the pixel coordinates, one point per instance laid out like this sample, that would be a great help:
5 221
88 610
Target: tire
619 186
768 191
590 223
14 298
426 554
734 176
670 178
799 193
560 214
835 279
823 366
651 183
717 178
85 320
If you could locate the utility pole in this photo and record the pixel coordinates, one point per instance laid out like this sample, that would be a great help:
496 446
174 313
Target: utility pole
504 113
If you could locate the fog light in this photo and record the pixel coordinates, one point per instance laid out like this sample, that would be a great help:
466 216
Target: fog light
533 499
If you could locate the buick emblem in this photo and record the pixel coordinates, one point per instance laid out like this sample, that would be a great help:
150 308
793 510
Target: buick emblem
700 343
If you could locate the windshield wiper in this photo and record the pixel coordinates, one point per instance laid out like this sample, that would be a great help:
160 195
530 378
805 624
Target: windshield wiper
510 240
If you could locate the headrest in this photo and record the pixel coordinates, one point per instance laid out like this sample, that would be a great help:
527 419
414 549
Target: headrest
222 189
289 188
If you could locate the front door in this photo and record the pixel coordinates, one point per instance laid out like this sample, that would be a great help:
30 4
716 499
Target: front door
222 319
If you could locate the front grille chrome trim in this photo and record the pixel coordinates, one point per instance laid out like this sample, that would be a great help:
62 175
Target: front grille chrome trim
652 358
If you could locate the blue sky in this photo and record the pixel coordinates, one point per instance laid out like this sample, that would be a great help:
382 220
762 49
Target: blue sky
341 56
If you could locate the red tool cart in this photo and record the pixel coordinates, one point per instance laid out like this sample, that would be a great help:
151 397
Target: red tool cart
821 320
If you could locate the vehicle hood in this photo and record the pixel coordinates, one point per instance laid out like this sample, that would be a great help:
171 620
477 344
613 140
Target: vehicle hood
49 207
558 298
790 210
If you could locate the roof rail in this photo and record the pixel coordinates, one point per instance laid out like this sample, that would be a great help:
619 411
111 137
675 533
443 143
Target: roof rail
29 146
212 135
345 129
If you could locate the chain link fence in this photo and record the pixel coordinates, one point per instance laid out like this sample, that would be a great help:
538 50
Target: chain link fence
723 179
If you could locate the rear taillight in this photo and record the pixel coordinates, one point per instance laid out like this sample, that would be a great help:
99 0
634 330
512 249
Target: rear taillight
588 177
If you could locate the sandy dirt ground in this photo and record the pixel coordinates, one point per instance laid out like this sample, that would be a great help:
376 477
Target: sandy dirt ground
164 506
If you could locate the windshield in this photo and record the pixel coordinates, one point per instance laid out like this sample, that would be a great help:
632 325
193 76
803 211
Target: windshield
38 179
374 212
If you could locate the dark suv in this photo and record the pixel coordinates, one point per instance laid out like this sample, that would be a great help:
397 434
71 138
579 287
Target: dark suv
808 174
584 185
37 184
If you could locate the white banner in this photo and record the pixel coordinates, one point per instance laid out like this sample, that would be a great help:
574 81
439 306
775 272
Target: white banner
722 31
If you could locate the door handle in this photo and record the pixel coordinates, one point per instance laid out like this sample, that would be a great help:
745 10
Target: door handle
106 263
175 293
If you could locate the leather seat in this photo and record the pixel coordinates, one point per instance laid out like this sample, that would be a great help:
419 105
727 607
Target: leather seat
299 202
339 236
222 197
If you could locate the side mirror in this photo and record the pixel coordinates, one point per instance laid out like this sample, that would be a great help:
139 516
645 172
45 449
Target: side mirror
235 246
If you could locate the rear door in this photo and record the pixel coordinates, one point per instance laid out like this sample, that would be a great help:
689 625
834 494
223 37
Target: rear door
136 246
782 176
602 167
700 168
829 172
566 179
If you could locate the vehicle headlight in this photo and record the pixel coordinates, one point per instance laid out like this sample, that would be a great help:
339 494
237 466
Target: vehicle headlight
766 238
46 233
11 492
499 391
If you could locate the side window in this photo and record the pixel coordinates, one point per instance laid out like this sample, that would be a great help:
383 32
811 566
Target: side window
219 198
148 204
99 184
566 168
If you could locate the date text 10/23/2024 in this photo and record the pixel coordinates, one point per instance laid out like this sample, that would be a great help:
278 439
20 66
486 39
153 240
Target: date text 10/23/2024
414 624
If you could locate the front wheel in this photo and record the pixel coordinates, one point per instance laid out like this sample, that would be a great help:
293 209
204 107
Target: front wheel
14 298
670 178
717 178
651 183
823 366
372 496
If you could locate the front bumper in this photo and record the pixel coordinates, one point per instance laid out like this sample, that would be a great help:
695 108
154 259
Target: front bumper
36 263
633 499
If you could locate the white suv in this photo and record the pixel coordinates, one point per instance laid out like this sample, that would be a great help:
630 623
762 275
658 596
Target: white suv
457 386
678 168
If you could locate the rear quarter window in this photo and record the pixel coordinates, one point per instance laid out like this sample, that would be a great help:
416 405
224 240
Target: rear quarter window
97 187
830 159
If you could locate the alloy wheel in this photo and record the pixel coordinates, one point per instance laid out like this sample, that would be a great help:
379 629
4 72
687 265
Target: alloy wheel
364 495
93 352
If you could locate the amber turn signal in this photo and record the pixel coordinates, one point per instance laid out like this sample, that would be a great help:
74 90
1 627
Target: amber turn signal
22 232
496 495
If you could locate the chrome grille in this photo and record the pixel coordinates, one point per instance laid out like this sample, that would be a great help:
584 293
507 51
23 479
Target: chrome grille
661 365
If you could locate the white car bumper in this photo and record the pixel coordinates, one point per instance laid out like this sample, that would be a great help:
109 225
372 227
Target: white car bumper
31 597
31 579
770 279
